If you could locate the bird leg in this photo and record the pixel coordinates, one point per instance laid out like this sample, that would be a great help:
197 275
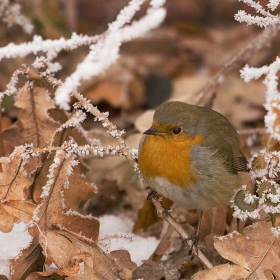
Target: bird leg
193 246
151 193
195 238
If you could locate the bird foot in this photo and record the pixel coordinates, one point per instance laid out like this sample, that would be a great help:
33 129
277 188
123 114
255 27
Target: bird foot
151 193
193 247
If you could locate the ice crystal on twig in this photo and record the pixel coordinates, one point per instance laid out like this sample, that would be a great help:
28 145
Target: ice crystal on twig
11 86
10 13
265 18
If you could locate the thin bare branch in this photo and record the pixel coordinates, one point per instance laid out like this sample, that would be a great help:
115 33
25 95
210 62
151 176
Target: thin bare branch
263 41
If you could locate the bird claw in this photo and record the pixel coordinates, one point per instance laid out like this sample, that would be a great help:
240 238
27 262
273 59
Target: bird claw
194 244
151 193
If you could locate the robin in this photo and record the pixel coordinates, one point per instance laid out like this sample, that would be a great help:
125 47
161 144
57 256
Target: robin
191 155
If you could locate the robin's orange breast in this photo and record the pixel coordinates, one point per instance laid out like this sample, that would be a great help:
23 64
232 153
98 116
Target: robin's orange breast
160 156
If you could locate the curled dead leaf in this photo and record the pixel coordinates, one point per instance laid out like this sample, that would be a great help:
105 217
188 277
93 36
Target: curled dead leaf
123 261
20 209
73 269
62 248
28 260
255 254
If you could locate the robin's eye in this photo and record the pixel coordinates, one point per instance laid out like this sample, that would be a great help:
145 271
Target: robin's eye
176 130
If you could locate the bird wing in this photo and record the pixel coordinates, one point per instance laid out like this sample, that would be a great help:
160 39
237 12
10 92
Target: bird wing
241 163
232 157
227 151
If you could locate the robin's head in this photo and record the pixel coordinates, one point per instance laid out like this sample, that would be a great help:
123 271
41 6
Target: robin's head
176 120
165 149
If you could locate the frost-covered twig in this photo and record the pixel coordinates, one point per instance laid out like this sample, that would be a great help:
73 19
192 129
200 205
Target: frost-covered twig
106 51
265 19
48 67
10 14
57 180
11 86
50 47
83 151
272 104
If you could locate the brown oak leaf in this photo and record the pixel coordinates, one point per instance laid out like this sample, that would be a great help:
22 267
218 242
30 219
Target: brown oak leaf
79 190
255 254
7 220
22 210
34 125
63 248
13 178
14 189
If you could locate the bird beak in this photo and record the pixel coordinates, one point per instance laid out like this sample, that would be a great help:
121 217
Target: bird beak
153 131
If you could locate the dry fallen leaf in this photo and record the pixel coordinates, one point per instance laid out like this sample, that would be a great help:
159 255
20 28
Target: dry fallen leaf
23 210
53 192
53 210
223 271
7 220
123 261
149 270
164 243
28 260
144 121
79 190
14 188
59 274
62 248
34 125
117 87
147 215
244 108
116 169
73 194
255 254
13 178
